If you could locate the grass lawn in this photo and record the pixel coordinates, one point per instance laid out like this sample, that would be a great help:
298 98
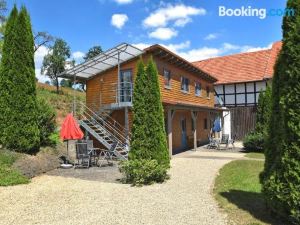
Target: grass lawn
255 155
238 191
9 175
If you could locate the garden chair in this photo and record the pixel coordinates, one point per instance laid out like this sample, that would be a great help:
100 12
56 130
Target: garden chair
224 141
82 155
213 143
92 151
107 154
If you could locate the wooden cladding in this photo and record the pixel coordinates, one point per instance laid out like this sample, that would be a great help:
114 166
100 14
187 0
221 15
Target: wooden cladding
101 89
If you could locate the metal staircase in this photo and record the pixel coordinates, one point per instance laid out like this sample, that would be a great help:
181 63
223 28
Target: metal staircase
105 129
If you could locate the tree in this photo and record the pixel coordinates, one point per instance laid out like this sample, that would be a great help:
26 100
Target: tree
263 111
96 50
66 83
54 62
281 175
21 130
7 71
43 38
2 22
149 156
2 11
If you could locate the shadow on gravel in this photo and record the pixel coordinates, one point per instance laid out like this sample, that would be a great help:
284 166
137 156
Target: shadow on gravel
253 203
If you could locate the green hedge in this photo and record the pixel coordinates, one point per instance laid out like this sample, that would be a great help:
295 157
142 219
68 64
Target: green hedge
139 172
254 142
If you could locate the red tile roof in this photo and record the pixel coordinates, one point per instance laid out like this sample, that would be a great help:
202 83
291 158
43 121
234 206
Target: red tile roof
242 67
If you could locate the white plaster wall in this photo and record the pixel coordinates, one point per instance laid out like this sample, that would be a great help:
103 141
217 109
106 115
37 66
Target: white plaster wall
227 123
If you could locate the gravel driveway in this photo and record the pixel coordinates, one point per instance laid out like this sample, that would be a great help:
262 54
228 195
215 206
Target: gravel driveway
185 199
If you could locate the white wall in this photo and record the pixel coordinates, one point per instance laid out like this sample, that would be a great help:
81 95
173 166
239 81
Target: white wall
227 123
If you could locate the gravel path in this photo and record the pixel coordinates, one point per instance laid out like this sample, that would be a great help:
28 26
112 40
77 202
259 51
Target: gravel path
184 199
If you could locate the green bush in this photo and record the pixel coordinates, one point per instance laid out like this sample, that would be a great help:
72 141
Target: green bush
281 176
139 172
254 141
46 123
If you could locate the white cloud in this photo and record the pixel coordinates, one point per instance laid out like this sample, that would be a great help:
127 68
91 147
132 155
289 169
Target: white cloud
182 22
200 53
119 20
179 13
78 55
171 47
163 33
122 2
211 37
177 47
248 48
142 45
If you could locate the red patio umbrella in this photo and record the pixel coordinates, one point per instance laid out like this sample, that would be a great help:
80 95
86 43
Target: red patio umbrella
70 130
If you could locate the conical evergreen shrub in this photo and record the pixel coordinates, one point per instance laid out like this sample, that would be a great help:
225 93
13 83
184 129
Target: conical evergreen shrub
148 156
21 131
6 71
281 175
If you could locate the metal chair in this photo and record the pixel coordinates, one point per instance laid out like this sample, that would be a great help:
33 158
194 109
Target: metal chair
82 155
92 151
107 154
224 141
213 143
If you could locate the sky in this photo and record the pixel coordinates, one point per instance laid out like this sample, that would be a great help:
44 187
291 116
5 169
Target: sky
192 29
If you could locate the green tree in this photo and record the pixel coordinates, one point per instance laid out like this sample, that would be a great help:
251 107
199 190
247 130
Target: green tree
149 156
66 83
46 122
7 70
92 52
281 175
54 62
2 23
21 130
263 111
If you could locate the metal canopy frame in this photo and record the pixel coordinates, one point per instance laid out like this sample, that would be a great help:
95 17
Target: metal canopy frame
102 62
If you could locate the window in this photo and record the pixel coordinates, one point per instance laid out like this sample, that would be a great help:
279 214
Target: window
205 124
125 93
197 89
185 84
167 78
207 92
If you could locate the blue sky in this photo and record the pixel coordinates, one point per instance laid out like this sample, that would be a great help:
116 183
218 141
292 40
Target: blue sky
193 29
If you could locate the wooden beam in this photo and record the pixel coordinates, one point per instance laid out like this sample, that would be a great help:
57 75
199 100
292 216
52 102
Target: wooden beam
194 117
171 113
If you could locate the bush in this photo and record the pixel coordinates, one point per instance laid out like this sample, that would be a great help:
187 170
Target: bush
46 123
254 141
139 172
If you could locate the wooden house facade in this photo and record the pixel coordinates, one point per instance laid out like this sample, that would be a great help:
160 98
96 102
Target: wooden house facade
187 95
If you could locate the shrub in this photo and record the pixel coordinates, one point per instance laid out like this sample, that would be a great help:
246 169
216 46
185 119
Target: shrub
281 176
254 141
46 123
139 172
18 103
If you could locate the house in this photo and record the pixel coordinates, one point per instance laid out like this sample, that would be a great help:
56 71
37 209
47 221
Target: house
241 77
187 93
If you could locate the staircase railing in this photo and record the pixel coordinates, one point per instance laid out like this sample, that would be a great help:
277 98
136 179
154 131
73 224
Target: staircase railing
114 131
112 122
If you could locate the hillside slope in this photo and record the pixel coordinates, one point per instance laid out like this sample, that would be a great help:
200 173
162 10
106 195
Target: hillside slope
62 102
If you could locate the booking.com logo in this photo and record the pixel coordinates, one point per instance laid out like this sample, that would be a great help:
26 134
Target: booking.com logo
255 12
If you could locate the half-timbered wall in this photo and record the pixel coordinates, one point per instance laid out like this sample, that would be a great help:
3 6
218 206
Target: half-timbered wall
240 94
